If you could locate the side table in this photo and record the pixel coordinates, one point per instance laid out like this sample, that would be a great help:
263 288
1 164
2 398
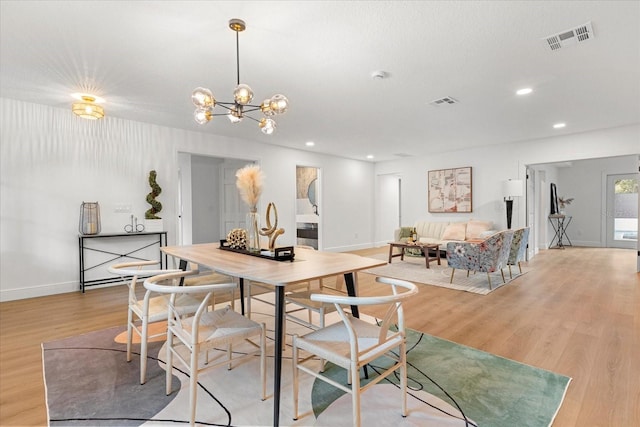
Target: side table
560 223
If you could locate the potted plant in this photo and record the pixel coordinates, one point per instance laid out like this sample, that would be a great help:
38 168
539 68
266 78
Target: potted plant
564 201
152 222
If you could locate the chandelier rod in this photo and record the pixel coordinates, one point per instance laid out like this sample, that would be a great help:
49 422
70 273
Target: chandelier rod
238 55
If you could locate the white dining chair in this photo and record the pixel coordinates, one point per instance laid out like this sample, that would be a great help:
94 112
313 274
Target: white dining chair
149 309
353 343
201 332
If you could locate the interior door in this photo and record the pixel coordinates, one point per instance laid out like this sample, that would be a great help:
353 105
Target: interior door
389 207
622 211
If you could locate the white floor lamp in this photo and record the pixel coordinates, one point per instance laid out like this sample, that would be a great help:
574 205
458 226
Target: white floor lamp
510 189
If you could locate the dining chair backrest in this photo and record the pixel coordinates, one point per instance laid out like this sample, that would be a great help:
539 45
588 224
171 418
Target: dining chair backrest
401 290
354 343
204 332
141 313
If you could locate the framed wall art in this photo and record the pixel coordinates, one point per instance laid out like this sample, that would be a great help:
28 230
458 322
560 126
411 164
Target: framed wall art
450 190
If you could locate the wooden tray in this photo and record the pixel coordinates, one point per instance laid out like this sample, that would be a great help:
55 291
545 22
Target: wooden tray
284 253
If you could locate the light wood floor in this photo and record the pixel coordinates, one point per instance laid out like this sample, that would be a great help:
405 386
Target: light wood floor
576 313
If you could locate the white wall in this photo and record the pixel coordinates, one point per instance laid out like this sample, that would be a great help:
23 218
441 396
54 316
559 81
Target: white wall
494 164
51 161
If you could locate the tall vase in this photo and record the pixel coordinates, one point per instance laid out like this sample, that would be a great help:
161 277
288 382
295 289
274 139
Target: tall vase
253 228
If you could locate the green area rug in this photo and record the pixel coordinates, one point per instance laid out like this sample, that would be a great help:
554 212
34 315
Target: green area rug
89 382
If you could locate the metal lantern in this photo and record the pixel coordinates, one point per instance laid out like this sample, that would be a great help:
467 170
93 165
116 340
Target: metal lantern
89 218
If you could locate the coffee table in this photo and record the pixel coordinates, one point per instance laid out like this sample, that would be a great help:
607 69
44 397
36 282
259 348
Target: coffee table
424 248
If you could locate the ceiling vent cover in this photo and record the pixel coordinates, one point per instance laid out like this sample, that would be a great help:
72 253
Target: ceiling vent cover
447 100
570 37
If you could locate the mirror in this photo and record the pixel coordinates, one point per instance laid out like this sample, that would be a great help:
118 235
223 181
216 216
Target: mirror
311 193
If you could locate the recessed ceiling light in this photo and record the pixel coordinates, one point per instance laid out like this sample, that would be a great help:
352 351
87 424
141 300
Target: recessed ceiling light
524 91
559 125
309 143
369 156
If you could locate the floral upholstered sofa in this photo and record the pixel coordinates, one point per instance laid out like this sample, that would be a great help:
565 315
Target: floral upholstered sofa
441 233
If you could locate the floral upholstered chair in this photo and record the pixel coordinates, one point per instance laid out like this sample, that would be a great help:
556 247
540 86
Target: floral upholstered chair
518 248
488 256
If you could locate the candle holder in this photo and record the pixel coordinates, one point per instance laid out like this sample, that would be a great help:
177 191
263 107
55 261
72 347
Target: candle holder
89 218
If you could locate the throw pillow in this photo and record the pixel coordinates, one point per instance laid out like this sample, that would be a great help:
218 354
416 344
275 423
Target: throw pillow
405 232
476 228
455 231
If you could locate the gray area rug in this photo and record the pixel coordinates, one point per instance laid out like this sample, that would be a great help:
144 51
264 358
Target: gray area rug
89 383
414 270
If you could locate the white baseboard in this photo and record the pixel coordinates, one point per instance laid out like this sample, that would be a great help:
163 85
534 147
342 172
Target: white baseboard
48 289
350 247
38 291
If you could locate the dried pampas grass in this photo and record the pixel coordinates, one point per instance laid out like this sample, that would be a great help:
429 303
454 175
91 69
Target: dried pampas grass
249 184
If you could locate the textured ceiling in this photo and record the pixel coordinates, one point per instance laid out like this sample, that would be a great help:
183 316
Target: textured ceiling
145 58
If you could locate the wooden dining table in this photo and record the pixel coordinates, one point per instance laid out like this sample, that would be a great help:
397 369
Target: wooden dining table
307 265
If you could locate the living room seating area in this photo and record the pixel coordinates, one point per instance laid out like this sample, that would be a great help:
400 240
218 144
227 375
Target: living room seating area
443 232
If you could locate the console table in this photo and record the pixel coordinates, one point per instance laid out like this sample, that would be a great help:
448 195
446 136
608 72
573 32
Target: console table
96 243
560 223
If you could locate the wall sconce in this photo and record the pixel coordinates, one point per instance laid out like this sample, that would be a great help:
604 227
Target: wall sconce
510 189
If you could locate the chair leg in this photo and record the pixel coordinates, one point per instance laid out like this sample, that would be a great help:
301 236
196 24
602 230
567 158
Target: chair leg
355 394
510 275
453 270
143 349
129 334
295 378
322 361
169 365
263 361
403 377
284 330
502 272
489 278
519 267
193 384
247 288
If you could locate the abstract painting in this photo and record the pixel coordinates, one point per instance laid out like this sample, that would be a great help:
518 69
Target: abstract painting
450 190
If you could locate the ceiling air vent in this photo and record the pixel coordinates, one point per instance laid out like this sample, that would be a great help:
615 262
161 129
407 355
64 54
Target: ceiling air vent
570 37
443 101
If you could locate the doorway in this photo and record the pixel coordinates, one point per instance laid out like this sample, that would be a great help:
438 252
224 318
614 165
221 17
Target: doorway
308 207
209 202
389 207
622 211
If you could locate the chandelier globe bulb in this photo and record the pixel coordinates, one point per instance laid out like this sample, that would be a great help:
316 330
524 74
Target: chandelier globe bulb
202 97
265 107
243 94
279 104
203 114
235 115
267 126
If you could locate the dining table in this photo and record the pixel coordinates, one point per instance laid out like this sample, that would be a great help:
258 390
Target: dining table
306 265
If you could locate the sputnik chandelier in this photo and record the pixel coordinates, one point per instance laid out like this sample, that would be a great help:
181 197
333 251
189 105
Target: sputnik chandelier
242 95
